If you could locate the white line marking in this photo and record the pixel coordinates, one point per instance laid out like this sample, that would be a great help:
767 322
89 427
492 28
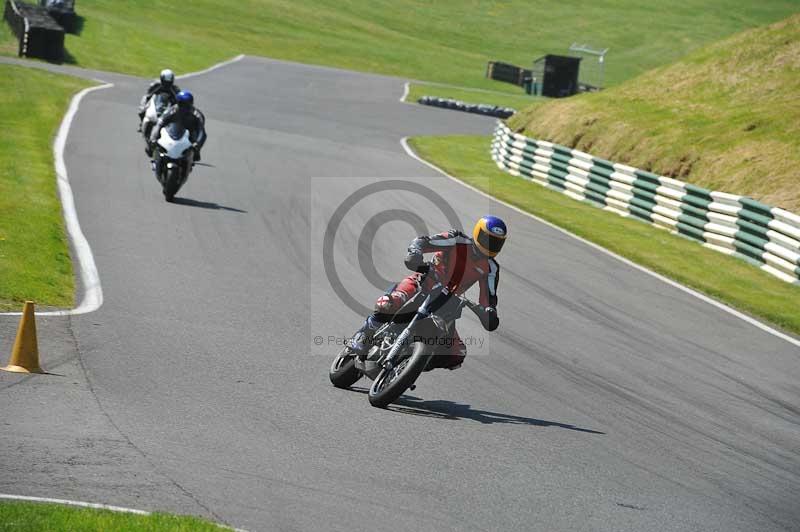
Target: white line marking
81 504
405 93
93 505
93 295
764 327
93 292
211 68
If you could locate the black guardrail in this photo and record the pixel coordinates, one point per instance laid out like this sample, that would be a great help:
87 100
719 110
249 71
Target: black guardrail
39 35
476 108
506 72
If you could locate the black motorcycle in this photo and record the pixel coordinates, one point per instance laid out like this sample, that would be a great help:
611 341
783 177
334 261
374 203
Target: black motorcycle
404 347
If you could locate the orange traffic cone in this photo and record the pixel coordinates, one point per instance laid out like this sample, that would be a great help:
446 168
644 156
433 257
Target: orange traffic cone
25 353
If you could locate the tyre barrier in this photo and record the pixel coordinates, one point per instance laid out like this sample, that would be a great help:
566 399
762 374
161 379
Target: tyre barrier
39 35
480 108
735 225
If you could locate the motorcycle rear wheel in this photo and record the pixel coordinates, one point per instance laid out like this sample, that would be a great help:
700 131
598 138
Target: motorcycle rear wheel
343 372
389 385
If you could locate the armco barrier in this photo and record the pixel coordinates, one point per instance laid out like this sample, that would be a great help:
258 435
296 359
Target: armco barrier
505 72
735 225
39 35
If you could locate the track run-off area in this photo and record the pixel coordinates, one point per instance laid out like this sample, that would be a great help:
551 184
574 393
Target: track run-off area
606 400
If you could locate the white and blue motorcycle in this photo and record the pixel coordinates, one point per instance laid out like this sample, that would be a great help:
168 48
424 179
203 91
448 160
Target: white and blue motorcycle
173 158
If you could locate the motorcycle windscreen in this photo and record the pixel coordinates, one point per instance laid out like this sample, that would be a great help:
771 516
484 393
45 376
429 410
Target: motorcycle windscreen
175 130
174 141
160 102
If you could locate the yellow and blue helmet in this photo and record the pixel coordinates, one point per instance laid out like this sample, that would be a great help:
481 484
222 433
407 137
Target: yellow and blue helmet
489 235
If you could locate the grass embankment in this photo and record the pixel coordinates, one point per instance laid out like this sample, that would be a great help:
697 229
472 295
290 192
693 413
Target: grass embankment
447 42
29 517
467 95
725 278
726 117
34 257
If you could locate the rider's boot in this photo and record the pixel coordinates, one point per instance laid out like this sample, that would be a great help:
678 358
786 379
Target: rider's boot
362 339
450 359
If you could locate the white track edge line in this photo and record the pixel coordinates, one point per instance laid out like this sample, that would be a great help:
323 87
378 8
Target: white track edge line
93 296
211 68
405 92
752 321
92 505
93 292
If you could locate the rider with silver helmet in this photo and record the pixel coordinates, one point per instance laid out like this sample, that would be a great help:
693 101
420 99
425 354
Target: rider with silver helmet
165 85
189 116
460 262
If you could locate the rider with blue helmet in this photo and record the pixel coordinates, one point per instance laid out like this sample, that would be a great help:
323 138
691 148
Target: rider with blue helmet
189 116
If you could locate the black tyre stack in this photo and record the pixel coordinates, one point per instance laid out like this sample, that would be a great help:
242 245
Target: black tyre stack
476 108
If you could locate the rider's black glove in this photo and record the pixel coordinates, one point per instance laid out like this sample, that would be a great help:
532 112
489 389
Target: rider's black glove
415 263
488 317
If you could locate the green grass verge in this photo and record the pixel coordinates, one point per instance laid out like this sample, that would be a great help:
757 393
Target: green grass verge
725 278
448 42
29 516
467 95
34 257
725 118
8 42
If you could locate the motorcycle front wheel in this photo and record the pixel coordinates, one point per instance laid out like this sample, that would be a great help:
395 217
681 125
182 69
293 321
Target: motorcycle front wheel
343 372
390 384
172 183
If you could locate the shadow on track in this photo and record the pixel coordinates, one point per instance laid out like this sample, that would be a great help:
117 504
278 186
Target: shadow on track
442 409
204 205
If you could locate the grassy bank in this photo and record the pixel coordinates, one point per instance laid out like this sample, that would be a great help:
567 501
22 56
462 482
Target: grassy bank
467 95
727 279
35 517
448 42
726 117
34 257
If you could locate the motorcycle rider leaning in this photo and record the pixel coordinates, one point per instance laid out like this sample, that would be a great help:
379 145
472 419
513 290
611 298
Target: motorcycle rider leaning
460 262
166 85
189 116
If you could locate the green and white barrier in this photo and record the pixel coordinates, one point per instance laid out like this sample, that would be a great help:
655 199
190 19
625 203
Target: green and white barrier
735 225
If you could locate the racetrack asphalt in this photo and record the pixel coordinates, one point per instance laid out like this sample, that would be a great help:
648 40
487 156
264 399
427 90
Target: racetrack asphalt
607 400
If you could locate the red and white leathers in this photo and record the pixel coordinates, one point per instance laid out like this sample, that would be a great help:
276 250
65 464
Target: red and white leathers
459 265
